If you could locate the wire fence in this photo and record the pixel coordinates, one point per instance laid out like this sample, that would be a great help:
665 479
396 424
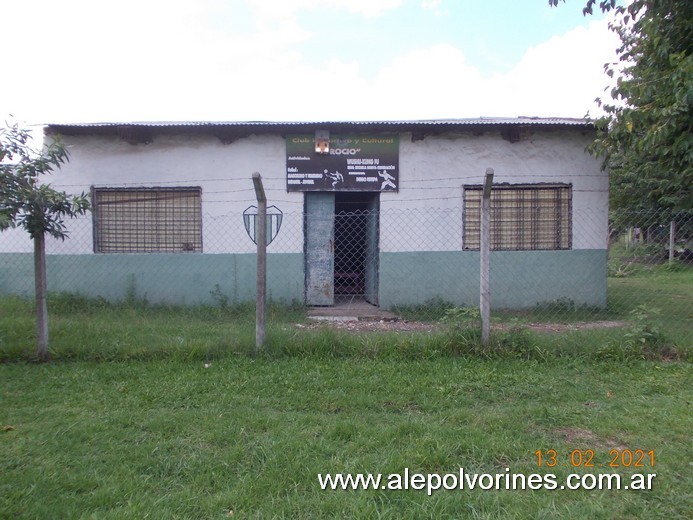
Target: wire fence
416 263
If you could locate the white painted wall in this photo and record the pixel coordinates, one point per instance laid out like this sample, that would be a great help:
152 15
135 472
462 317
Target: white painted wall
433 171
223 171
425 215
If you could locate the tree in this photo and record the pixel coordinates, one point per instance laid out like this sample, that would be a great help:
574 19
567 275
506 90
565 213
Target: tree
34 206
645 136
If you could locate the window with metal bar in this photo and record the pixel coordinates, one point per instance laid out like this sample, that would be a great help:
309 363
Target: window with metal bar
147 220
523 217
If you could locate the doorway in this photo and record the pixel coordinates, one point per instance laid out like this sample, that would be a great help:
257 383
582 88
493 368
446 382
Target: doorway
341 247
356 245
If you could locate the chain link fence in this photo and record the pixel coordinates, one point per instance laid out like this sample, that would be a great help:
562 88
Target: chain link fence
411 262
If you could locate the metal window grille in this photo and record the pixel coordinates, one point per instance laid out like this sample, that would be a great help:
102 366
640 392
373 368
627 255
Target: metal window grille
147 220
523 217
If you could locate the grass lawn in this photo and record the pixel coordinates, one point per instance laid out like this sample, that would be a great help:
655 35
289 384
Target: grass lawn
162 413
669 292
244 438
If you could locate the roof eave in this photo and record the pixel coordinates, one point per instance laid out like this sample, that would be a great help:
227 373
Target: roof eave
248 127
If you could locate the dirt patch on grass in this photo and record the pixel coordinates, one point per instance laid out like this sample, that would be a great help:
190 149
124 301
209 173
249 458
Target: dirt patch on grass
418 326
582 437
569 327
374 325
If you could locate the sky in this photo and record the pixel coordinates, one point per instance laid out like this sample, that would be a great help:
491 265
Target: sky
78 61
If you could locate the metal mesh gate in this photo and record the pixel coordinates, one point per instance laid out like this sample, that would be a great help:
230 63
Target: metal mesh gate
349 252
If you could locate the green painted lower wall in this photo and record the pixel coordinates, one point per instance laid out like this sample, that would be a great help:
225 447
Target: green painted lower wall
519 279
181 279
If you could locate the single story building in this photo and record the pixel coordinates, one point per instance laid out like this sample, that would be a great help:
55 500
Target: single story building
385 210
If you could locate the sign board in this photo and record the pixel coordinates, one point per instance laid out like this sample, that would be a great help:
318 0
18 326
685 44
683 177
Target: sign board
354 163
274 222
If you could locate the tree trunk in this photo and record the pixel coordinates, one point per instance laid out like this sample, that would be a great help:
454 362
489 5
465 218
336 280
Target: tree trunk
41 304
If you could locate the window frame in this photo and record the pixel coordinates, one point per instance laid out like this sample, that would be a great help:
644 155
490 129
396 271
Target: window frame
527 237
130 235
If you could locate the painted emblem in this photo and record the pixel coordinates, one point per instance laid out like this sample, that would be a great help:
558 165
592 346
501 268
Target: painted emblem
274 222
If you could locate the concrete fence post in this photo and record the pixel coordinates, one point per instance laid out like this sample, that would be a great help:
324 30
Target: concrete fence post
485 258
261 284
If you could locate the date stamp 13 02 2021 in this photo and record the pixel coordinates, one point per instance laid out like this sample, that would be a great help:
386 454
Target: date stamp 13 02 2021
588 458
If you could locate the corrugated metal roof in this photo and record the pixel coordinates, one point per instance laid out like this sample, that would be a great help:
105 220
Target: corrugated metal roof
481 121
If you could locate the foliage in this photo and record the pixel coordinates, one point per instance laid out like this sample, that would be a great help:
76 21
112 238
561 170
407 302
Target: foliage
462 317
431 309
645 329
221 300
645 338
92 329
25 201
654 225
28 203
646 135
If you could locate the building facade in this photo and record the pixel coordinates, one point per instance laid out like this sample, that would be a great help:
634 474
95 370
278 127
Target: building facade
385 211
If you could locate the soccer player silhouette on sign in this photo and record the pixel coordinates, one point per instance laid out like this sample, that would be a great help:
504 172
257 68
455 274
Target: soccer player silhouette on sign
336 178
